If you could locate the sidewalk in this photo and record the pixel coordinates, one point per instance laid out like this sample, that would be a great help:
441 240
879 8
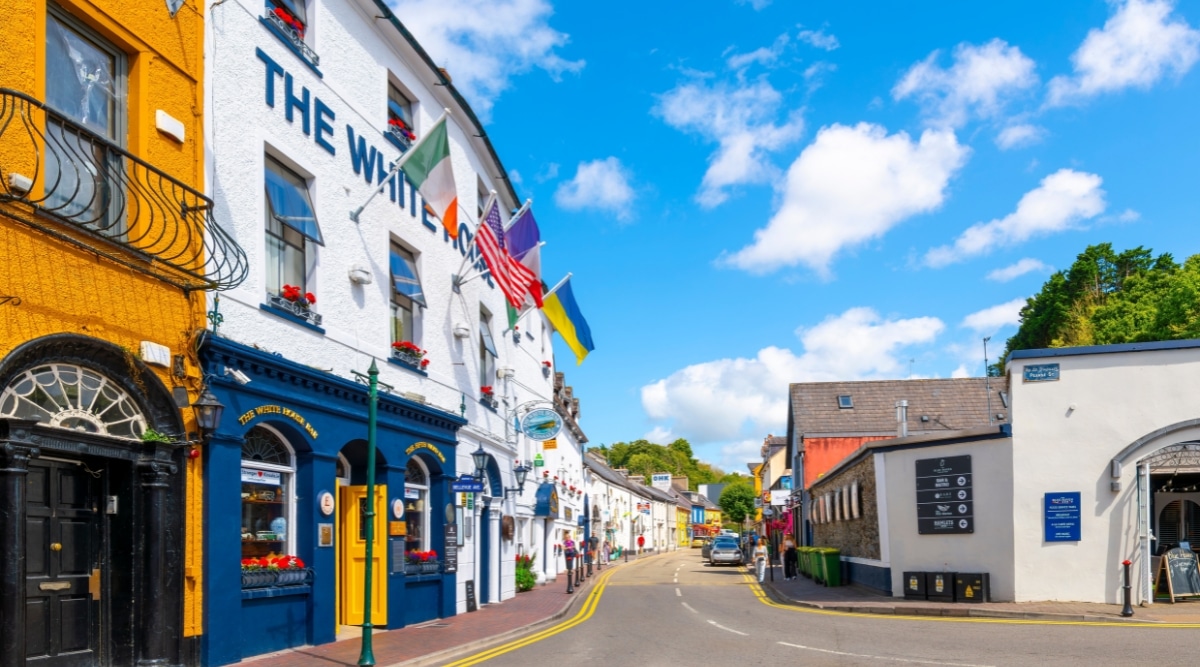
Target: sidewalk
805 592
439 640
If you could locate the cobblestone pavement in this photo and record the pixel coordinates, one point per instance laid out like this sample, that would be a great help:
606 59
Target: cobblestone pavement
422 644
806 592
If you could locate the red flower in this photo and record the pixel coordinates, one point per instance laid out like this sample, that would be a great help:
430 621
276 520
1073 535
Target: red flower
310 297
290 292
424 363
486 391
546 364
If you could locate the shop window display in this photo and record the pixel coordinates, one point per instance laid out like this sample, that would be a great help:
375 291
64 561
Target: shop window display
416 506
266 499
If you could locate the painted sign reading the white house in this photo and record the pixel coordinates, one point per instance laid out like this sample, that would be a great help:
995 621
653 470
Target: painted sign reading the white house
945 501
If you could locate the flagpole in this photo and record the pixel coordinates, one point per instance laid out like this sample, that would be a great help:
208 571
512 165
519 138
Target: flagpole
404 157
457 281
517 216
560 284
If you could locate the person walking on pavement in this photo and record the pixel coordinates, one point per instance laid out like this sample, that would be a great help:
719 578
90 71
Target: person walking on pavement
760 559
789 558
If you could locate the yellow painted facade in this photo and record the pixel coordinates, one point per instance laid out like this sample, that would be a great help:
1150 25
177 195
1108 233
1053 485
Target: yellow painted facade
712 517
758 487
64 288
681 526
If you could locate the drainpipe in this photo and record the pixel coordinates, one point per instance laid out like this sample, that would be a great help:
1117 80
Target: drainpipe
901 419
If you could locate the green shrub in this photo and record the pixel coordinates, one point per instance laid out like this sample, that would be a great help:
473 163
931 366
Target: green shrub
525 580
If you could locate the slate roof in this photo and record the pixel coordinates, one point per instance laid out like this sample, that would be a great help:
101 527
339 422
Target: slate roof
950 404
595 463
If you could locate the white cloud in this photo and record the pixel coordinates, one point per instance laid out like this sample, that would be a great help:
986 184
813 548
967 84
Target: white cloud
599 184
814 75
851 185
727 399
1019 136
765 56
818 39
660 435
1013 271
741 118
483 45
979 83
1060 201
758 5
961 372
1140 44
990 320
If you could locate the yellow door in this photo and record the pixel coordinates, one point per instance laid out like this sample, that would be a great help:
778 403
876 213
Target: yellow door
352 507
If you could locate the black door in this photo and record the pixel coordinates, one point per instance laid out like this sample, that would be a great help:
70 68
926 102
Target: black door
62 552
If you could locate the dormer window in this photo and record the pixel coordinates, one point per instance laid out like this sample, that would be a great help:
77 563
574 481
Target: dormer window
845 402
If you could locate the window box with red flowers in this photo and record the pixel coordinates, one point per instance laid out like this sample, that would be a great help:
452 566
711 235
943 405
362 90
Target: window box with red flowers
296 303
275 571
408 354
546 369
487 396
399 133
422 562
285 19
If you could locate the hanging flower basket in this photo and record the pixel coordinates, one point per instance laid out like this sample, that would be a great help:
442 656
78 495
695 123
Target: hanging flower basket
290 300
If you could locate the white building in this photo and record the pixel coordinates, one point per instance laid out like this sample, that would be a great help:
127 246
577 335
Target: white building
309 103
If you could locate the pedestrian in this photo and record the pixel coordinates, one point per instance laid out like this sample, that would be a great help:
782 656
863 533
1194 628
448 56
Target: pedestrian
789 557
760 559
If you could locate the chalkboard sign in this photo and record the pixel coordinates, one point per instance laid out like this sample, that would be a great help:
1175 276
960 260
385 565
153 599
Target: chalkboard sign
1182 573
450 563
471 605
945 496
397 556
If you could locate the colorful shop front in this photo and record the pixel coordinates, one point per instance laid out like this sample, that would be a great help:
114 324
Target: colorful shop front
285 475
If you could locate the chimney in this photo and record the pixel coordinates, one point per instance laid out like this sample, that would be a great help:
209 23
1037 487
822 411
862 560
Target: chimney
901 419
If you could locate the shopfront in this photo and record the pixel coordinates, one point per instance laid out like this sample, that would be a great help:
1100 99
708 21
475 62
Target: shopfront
286 475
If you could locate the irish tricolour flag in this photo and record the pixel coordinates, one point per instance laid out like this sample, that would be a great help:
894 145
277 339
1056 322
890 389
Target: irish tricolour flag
427 166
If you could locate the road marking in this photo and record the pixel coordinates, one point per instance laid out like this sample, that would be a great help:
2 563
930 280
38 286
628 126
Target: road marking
585 612
884 657
689 607
718 625
678 594
759 593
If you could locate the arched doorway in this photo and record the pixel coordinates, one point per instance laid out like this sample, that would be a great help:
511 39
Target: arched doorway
1168 505
354 513
488 537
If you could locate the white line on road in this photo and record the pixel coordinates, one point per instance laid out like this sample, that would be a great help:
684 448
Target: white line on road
718 625
678 594
880 657
689 607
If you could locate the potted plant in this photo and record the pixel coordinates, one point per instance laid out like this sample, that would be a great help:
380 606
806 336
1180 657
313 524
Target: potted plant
289 571
422 562
525 577
400 131
546 369
488 397
292 300
408 353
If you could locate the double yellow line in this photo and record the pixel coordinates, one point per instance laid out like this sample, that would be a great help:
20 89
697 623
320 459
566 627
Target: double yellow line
762 596
585 612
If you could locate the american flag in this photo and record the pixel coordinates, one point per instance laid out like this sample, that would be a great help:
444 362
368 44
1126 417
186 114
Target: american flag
511 276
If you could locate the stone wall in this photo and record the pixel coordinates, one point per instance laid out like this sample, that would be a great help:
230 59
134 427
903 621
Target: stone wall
855 537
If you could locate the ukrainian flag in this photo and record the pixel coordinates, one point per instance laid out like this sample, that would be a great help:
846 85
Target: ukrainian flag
562 311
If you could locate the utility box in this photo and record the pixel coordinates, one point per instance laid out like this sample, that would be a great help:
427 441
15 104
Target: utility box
939 586
914 585
972 587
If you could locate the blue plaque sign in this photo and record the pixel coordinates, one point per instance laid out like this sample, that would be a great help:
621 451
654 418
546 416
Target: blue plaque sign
1063 517
466 484
1041 373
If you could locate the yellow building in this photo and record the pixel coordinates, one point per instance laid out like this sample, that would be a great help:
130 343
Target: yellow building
756 471
681 526
712 516
107 246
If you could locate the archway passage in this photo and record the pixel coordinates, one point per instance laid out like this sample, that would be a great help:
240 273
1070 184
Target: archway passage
1174 496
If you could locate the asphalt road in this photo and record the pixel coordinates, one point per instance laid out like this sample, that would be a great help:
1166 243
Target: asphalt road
674 610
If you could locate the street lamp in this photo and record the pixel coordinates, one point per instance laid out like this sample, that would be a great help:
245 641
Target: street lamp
208 411
522 473
480 457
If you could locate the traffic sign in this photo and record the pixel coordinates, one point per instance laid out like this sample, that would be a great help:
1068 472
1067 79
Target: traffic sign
466 484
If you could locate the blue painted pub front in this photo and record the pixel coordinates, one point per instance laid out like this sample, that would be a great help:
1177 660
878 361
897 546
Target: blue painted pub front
279 478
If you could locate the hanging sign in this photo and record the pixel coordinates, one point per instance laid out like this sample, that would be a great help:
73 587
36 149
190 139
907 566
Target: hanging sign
945 503
541 424
260 477
1062 518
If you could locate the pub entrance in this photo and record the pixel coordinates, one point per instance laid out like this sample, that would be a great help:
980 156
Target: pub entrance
1169 505
64 569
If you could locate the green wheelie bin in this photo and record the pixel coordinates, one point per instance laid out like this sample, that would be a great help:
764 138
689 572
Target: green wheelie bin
830 566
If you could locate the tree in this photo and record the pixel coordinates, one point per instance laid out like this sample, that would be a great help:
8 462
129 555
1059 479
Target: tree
642 457
737 501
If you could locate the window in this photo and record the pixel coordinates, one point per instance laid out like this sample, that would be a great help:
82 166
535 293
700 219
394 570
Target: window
406 291
401 128
487 350
267 469
416 506
85 79
75 398
481 198
845 402
291 222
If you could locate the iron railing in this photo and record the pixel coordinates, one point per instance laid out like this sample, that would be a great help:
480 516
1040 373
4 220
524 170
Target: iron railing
293 37
66 180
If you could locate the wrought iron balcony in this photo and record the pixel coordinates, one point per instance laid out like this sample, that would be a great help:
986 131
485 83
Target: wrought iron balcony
64 179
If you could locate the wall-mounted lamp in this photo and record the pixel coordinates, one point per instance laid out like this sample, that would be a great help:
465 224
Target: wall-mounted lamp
208 412
521 472
480 457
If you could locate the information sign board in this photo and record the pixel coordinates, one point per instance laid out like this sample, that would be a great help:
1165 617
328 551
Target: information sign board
1062 522
467 484
450 562
1040 373
945 496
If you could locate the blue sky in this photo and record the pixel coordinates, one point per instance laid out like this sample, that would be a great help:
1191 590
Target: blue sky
756 193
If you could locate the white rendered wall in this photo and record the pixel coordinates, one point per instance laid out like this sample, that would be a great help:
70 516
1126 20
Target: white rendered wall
989 549
1065 434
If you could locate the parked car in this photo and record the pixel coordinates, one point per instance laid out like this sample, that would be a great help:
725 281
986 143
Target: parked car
725 550
698 542
728 533
704 550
